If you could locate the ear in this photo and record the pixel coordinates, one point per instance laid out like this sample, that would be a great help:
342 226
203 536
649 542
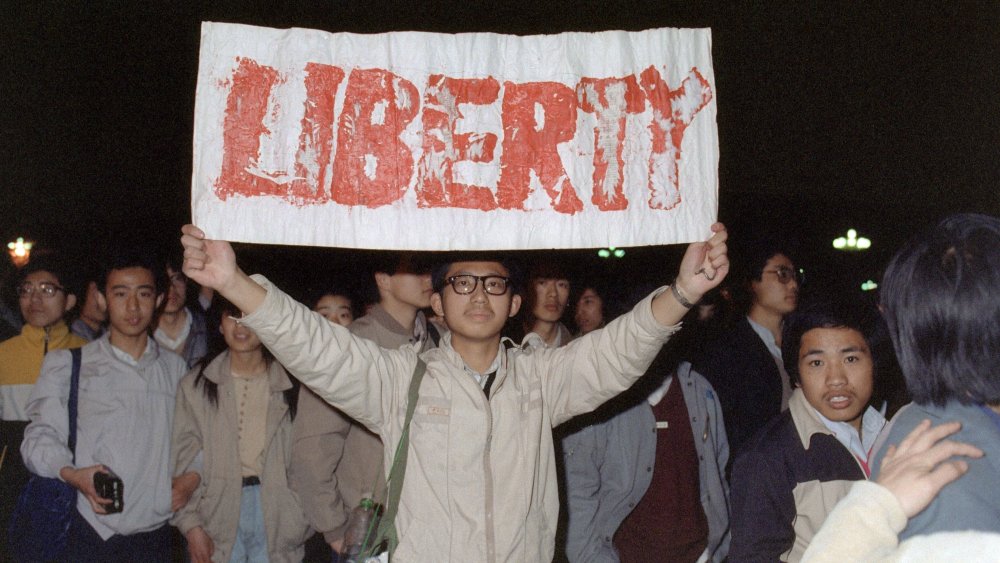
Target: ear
436 305
515 305
70 302
382 281
102 301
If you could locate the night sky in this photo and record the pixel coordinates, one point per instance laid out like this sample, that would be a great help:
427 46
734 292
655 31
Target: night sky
882 117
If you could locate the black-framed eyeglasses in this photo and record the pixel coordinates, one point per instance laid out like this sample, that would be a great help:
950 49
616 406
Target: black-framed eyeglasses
466 284
786 275
44 289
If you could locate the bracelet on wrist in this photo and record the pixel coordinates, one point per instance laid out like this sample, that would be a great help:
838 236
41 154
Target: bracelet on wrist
680 296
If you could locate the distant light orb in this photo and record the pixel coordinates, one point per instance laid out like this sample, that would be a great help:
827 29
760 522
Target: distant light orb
869 285
20 251
611 251
852 242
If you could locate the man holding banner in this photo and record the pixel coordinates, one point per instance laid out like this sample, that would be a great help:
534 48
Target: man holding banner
480 482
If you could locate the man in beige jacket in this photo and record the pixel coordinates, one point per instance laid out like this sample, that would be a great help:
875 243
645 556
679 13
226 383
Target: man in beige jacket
335 461
480 482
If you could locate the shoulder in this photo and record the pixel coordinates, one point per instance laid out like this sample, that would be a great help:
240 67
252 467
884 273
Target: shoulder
11 344
773 443
171 362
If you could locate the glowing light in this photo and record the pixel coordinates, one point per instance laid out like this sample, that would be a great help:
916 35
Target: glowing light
852 242
20 251
869 285
611 251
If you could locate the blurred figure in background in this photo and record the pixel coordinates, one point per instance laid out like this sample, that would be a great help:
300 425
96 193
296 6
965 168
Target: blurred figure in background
182 326
744 364
336 307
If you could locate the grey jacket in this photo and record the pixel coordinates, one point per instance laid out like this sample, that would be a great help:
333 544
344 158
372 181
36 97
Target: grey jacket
607 471
970 503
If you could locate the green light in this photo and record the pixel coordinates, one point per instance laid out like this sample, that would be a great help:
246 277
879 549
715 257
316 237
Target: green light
869 285
852 242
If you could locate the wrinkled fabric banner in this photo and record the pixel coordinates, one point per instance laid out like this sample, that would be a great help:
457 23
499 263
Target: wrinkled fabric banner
429 141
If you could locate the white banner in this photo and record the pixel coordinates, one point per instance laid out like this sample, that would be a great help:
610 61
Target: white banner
429 141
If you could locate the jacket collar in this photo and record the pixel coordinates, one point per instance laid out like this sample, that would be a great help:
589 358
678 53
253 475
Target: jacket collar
219 372
34 335
804 417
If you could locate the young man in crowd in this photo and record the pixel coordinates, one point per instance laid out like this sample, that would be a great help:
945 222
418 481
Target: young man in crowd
744 364
336 308
181 328
45 296
90 324
480 477
941 300
125 411
337 460
544 304
801 463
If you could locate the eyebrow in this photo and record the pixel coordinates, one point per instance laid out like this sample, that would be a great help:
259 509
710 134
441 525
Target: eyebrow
815 351
123 286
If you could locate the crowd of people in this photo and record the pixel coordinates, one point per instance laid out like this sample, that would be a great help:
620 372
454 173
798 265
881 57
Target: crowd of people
492 410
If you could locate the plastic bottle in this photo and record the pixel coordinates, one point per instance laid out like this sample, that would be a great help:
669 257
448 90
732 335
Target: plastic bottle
361 525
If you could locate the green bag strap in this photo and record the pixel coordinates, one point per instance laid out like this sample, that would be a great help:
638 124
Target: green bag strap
387 524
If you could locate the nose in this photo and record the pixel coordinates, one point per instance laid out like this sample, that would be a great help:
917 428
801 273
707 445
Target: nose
479 292
132 302
835 376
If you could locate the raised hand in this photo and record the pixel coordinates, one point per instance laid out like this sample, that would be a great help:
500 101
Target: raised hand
211 263
705 265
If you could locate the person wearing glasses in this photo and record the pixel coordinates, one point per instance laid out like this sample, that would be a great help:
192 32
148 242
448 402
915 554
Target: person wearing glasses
480 480
744 363
45 298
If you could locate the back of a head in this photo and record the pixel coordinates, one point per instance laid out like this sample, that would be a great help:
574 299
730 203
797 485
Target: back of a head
941 300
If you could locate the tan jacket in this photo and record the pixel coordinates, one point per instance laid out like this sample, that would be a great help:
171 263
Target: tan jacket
336 460
212 430
480 479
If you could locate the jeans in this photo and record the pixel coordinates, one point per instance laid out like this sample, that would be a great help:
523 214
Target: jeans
251 538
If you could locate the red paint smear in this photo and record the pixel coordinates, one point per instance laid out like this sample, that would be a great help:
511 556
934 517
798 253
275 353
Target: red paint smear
243 125
316 140
634 103
526 149
667 106
436 187
358 138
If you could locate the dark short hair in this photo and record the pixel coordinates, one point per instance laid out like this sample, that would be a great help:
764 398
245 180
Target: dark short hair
441 270
56 265
941 300
826 312
124 258
749 260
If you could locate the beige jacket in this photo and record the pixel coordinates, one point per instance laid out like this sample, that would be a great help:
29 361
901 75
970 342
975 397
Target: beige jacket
480 479
200 427
335 460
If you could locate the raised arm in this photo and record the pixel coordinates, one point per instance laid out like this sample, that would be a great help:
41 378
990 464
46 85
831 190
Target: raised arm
212 263
704 266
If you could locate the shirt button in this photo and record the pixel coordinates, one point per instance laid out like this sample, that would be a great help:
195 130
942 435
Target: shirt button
649 469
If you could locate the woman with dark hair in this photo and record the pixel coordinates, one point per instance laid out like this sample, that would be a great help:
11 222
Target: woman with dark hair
233 425
941 301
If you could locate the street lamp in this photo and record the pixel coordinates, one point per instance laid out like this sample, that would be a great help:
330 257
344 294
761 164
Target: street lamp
611 251
20 252
852 242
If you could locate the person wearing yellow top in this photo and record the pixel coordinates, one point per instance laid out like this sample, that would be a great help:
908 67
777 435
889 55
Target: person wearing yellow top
45 299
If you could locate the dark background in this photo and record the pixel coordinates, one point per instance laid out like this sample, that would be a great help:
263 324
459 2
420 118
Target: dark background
882 116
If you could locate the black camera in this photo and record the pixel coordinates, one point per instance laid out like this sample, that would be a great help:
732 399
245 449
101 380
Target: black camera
109 486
